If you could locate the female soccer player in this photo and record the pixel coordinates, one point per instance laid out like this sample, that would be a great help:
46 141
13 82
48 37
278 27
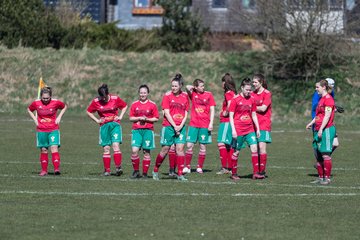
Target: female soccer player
224 131
175 104
107 106
143 114
242 114
47 128
262 98
201 123
325 131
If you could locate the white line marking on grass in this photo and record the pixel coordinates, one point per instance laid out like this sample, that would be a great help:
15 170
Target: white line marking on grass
99 163
174 181
107 194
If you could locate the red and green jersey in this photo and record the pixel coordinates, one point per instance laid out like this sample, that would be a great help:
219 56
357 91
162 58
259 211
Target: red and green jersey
325 102
242 109
107 110
227 97
46 114
264 118
200 109
146 109
177 105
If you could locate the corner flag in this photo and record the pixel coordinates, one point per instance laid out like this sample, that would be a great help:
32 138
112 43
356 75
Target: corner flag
41 85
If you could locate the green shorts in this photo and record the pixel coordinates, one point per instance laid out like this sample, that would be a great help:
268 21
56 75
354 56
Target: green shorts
325 144
169 138
143 138
249 138
224 133
47 139
109 133
194 134
265 136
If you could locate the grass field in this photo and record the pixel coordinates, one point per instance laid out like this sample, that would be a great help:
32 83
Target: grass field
81 204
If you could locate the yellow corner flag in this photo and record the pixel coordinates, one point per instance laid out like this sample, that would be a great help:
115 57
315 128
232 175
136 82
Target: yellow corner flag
41 85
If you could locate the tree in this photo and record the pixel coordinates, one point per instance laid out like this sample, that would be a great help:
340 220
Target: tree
182 30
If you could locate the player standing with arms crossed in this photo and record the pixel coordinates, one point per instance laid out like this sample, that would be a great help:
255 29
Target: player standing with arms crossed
143 114
201 123
47 128
107 106
325 131
263 102
242 113
175 105
224 131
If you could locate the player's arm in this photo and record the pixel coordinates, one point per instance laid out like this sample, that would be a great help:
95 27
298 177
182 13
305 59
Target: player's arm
58 119
325 121
32 115
308 126
225 113
212 114
123 110
169 118
256 122
178 128
94 118
189 89
233 130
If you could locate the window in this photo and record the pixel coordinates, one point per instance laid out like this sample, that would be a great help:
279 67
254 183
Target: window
146 7
248 4
219 3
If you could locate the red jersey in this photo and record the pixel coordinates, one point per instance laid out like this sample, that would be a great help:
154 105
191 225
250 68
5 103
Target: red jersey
200 109
146 109
177 106
46 114
264 118
242 109
325 102
227 97
107 110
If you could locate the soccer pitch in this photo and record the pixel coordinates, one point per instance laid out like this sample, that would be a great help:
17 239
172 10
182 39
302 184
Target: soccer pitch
82 204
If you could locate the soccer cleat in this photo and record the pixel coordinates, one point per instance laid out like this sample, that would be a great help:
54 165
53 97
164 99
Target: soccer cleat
145 176
258 176
325 181
172 173
135 175
199 170
182 178
186 170
155 176
223 171
57 172
119 171
235 177
43 173
106 174
317 181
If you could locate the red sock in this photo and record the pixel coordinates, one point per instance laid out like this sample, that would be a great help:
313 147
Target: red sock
55 157
255 161
229 158
223 155
188 158
117 158
320 169
107 161
146 164
180 164
172 158
234 164
327 166
201 158
135 160
44 159
263 160
158 162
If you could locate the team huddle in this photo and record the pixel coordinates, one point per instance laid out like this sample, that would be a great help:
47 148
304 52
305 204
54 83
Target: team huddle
245 120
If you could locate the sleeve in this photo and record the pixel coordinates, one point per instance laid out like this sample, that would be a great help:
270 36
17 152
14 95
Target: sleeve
267 99
187 105
232 106
253 105
60 105
229 96
212 100
120 103
165 103
132 112
32 106
91 108
155 111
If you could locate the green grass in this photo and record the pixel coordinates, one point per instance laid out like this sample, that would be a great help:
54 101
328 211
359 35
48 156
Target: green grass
81 204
